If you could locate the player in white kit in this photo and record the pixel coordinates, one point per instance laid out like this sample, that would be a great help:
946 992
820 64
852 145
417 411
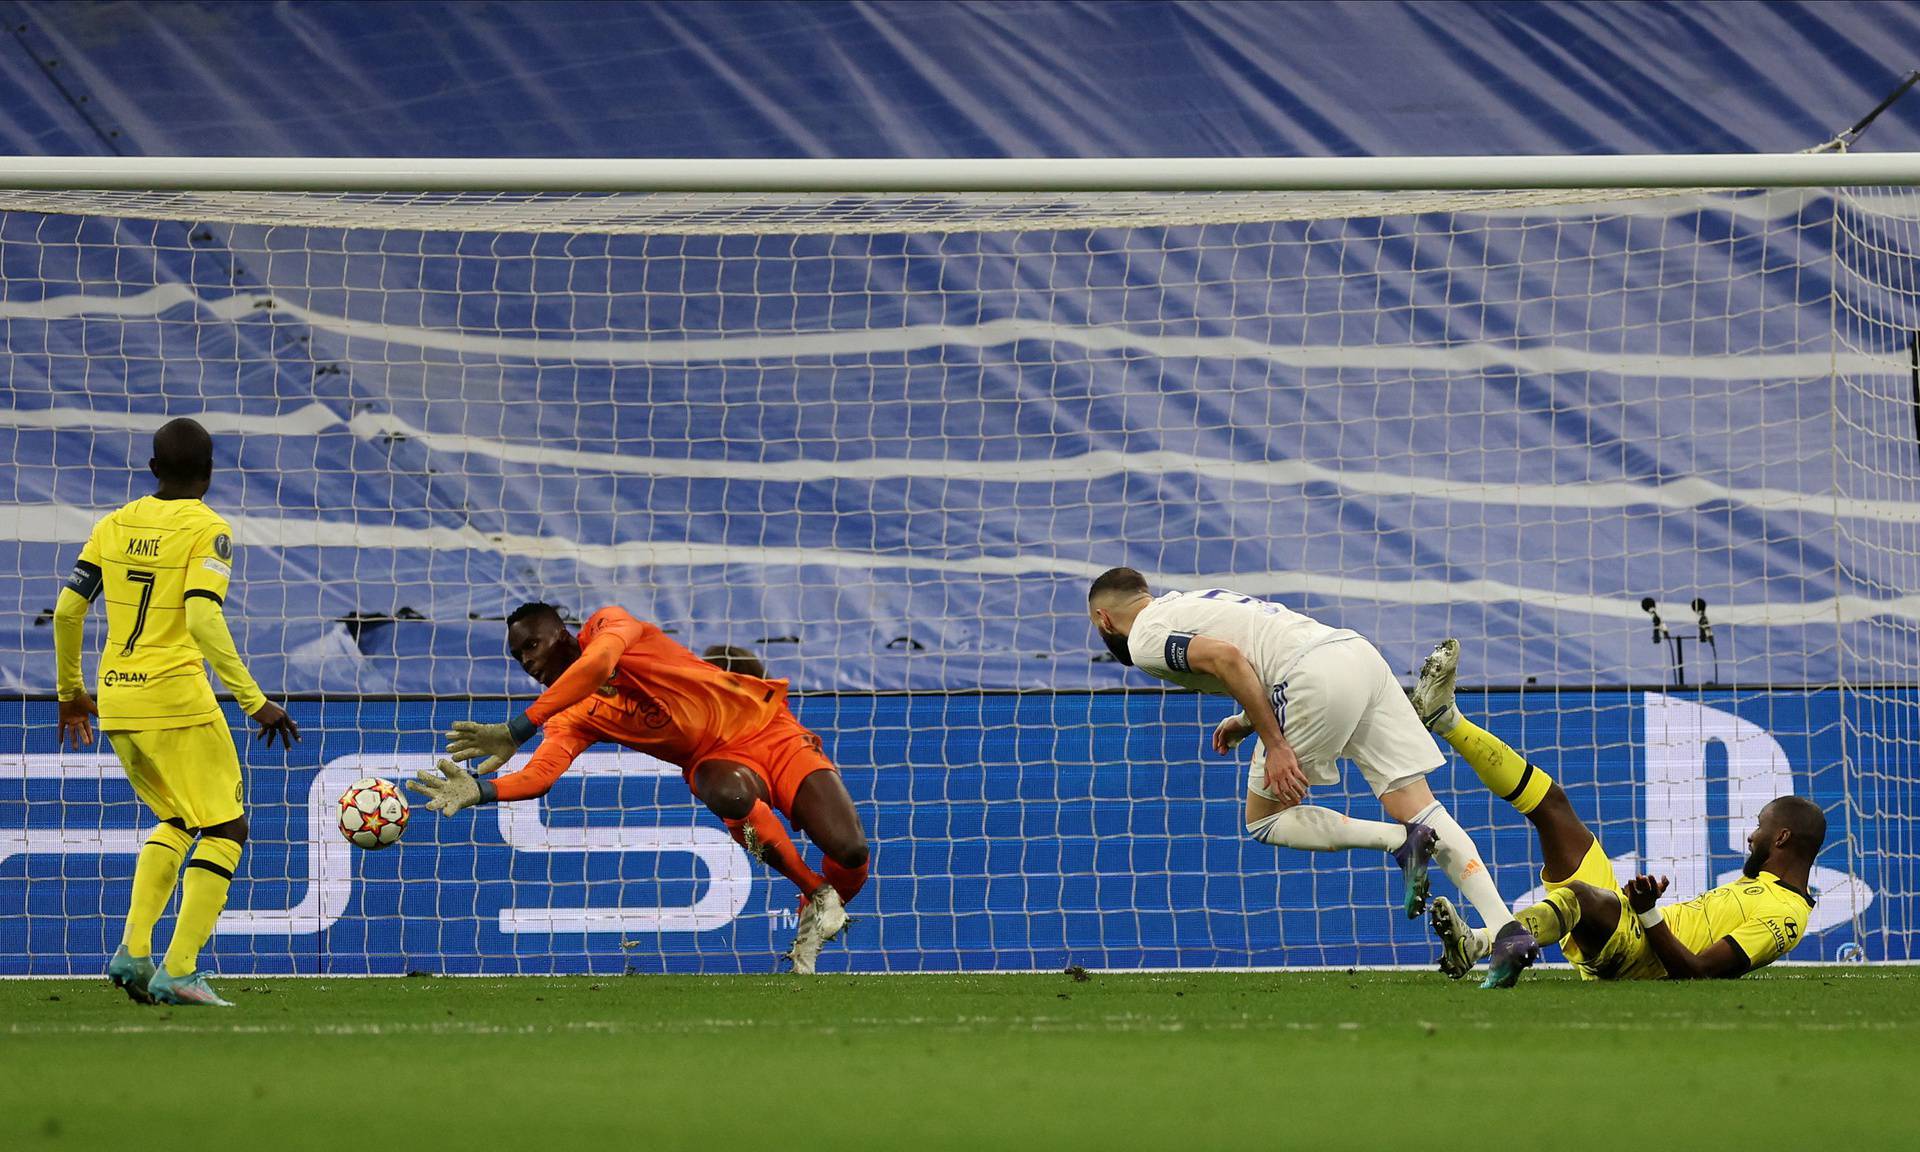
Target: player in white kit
1313 694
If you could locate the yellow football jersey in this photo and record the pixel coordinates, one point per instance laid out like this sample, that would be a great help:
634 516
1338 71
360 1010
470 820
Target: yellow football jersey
147 559
1761 916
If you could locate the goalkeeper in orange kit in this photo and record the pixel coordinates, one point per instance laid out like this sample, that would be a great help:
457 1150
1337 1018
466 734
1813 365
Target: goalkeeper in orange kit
740 748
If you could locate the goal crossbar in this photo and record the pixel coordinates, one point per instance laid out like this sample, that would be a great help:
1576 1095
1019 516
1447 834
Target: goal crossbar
1165 174
847 197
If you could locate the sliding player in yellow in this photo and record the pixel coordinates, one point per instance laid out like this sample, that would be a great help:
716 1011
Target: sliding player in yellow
163 563
1611 931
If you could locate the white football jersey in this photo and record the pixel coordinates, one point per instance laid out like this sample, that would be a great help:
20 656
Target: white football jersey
1271 636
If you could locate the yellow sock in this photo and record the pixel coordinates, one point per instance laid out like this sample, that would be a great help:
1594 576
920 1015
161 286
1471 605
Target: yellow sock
1550 920
1500 768
157 868
203 893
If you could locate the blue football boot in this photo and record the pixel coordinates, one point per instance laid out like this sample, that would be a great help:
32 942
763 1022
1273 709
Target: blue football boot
188 990
1514 951
1413 857
130 974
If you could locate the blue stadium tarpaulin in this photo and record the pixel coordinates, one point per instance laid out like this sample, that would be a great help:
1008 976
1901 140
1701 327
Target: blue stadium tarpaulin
959 563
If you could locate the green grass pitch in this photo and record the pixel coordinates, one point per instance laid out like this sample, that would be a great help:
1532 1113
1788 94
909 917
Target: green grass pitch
1826 1057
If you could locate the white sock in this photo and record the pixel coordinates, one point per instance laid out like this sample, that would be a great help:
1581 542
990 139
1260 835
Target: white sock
1461 861
1314 829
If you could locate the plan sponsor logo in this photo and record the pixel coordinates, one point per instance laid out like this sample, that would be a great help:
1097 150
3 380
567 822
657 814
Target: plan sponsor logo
113 678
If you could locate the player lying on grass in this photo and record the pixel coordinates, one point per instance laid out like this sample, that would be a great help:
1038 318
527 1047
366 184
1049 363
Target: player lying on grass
1611 931
1313 694
162 563
742 751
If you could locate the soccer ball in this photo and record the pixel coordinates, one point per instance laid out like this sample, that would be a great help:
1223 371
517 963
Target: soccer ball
373 813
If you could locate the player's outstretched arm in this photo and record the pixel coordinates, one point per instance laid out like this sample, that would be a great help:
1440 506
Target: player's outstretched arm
77 709
1721 959
208 627
1227 664
596 663
494 744
616 634
454 788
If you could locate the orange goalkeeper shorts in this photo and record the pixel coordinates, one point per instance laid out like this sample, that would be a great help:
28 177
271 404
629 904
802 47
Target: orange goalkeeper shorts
783 754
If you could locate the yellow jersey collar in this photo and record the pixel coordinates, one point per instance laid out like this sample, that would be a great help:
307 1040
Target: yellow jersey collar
1769 878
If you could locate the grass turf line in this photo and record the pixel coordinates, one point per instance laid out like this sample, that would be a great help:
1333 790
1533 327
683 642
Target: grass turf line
1322 1060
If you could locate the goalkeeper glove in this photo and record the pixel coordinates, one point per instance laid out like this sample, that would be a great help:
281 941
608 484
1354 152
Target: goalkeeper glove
454 789
491 744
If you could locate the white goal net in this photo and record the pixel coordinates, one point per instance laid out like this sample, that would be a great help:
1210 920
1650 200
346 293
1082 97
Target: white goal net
884 441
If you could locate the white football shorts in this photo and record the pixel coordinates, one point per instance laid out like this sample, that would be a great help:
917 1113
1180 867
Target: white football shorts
1342 700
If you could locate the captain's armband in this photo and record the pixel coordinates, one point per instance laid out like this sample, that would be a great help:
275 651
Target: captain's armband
85 579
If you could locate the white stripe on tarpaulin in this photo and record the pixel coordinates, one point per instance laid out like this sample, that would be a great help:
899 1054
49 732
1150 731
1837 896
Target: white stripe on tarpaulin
66 524
309 420
1683 494
759 347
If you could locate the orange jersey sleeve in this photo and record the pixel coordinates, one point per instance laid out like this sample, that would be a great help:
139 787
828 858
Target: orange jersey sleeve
659 697
562 743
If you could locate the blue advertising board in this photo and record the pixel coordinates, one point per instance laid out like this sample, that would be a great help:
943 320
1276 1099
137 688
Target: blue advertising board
1009 831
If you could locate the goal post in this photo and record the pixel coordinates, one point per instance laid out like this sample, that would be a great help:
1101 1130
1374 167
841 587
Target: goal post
880 422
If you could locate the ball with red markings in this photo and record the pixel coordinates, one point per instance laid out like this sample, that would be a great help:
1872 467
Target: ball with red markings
373 813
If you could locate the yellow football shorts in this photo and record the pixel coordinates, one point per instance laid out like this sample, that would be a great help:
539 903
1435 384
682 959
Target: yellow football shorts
1626 955
190 773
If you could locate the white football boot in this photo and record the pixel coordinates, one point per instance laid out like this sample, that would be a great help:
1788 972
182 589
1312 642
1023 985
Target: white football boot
823 918
1433 694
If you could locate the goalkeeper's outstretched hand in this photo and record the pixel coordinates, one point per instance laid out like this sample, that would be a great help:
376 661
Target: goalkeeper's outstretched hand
491 744
453 789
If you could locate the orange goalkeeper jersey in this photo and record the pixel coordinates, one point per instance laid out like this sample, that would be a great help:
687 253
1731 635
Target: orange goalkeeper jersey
637 688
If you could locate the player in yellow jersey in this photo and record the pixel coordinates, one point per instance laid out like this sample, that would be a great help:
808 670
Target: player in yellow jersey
162 564
1611 931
